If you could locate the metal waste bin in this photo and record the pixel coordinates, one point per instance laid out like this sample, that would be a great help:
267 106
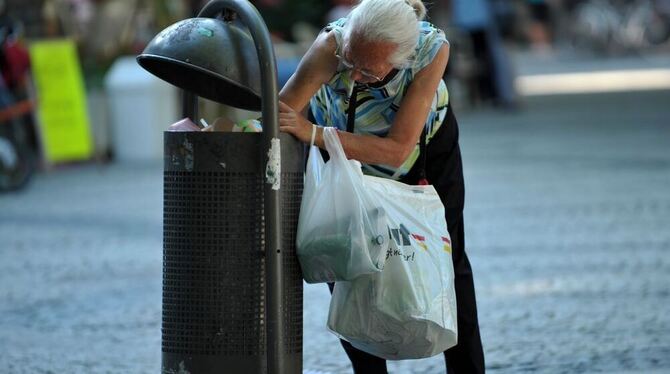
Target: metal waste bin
213 259
232 286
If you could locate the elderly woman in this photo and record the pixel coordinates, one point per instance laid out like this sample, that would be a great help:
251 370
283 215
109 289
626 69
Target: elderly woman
376 75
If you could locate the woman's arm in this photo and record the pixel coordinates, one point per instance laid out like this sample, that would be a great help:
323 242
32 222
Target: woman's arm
393 149
315 69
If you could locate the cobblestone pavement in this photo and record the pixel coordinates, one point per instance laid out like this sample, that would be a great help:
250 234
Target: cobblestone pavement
567 227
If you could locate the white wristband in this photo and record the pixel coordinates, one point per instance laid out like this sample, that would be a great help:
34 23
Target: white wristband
311 143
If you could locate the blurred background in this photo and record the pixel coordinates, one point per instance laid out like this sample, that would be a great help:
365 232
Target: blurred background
564 112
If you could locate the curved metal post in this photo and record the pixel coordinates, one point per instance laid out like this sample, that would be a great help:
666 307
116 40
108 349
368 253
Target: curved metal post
274 307
189 106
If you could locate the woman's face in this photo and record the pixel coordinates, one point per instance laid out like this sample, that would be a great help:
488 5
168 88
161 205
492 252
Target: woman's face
368 61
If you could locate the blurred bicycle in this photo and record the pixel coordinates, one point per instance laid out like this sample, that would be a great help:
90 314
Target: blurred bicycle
620 26
18 149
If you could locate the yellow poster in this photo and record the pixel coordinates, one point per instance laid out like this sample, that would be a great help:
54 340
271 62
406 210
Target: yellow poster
61 101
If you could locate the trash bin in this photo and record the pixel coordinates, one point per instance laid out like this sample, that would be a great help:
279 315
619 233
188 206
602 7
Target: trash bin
213 258
140 106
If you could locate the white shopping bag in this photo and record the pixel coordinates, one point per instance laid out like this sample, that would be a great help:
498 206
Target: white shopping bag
342 229
408 310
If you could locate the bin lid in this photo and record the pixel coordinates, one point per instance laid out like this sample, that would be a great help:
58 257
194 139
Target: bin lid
212 58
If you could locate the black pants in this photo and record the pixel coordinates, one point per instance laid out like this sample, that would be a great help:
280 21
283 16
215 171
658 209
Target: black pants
485 77
444 170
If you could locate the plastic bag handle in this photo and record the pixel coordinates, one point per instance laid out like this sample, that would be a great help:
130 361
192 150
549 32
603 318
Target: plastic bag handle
337 155
311 142
333 145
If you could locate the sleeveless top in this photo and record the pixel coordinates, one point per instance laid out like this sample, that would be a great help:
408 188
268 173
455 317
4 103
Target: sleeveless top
377 106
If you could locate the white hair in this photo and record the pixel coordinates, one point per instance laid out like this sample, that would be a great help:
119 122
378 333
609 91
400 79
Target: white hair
394 21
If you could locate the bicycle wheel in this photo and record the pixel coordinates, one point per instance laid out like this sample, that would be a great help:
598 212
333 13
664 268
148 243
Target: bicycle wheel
17 160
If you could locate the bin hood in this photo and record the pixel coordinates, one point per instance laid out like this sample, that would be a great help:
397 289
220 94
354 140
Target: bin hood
209 57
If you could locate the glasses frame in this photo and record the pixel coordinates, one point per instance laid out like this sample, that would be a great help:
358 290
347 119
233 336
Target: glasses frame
351 66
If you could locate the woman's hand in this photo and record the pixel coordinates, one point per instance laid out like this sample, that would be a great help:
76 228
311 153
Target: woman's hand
294 123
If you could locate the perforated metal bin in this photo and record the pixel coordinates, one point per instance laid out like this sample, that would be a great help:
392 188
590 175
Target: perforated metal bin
213 254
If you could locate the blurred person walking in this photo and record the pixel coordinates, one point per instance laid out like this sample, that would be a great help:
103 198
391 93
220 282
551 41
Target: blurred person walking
539 27
376 76
494 82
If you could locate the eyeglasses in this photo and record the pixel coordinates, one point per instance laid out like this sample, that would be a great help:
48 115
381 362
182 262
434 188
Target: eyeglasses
351 66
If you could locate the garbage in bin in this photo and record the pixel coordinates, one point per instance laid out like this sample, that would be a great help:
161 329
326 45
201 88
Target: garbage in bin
221 124
184 124
248 125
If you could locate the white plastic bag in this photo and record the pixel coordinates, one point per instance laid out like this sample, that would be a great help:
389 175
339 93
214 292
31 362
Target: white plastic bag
342 229
408 310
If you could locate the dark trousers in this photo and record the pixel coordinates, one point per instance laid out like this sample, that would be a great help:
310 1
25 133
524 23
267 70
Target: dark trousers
485 73
444 170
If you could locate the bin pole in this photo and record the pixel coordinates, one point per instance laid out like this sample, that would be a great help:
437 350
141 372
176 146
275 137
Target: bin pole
274 288
189 106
